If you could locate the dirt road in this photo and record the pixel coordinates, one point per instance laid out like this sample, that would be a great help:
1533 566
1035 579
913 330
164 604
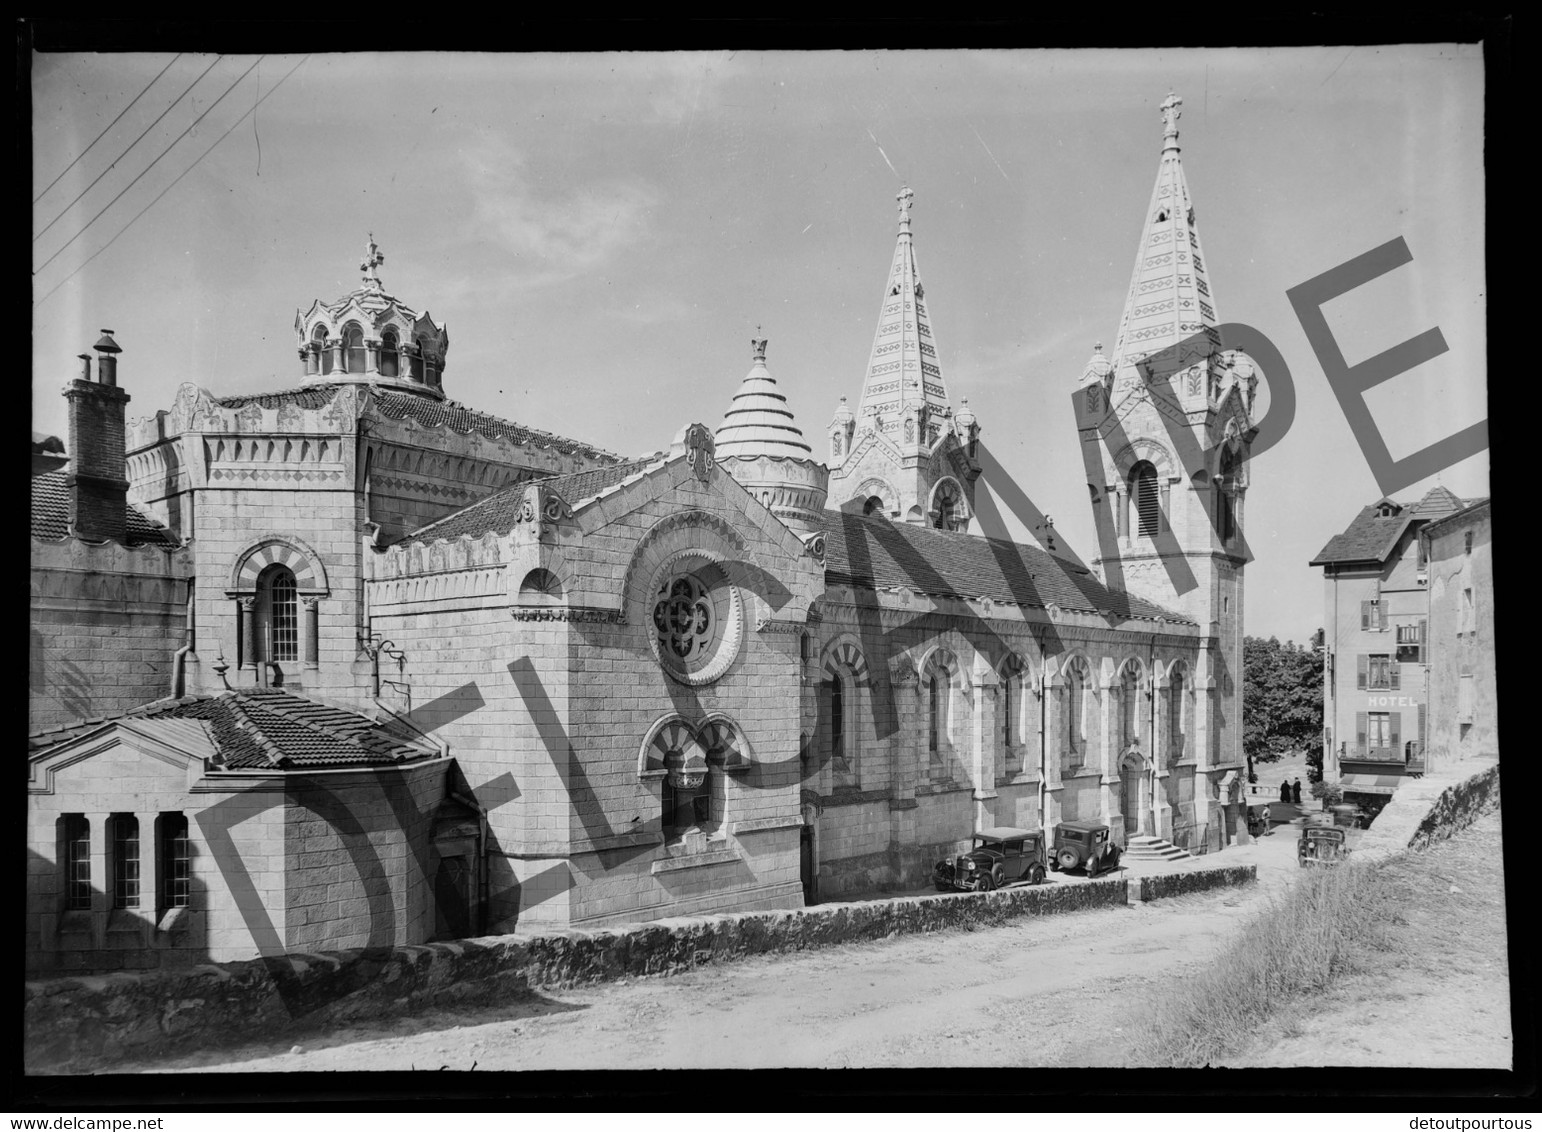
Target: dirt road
1050 991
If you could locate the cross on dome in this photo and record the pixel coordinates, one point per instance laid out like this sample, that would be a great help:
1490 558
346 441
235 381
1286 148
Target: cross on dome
372 259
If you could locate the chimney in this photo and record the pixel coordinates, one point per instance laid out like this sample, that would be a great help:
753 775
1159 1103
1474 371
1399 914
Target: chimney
96 483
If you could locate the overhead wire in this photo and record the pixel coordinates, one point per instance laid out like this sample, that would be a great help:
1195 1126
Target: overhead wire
125 153
173 185
148 167
103 134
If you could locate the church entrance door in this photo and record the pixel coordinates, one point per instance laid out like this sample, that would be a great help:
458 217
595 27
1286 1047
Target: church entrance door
1129 781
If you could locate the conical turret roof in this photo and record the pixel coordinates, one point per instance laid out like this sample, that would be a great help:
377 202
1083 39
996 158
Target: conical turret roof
903 368
758 421
1170 297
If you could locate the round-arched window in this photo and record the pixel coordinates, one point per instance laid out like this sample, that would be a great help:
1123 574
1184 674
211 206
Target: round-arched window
696 619
353 348
389 365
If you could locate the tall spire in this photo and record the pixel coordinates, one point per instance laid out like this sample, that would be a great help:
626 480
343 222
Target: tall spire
902 370
1170 296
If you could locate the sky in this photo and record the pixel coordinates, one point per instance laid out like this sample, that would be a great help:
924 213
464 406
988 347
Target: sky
603 234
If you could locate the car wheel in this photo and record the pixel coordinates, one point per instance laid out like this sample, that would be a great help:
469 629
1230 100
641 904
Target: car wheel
1066 858
1036 874
985 883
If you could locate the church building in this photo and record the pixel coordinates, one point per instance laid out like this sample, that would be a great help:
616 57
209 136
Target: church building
413 671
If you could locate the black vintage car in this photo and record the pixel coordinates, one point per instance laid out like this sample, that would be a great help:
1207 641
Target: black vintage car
1085 845
1321 845
997 858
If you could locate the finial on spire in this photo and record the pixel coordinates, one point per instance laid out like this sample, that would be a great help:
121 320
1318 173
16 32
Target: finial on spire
1170 116
758 345
372 259
1097 347
905 197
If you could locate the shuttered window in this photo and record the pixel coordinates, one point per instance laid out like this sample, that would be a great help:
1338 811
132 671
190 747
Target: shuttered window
1360 718
1362 670
1147 501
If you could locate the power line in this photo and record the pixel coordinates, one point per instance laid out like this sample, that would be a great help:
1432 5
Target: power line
149 167
103 134
125 153
173 185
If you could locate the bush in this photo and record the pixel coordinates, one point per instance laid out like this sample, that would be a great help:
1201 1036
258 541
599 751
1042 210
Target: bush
1331 793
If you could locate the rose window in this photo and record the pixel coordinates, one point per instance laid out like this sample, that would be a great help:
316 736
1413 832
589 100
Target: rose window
683 617
697 619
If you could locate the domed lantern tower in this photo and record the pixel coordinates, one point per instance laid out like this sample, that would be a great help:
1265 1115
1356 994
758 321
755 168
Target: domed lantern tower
370 337
759 444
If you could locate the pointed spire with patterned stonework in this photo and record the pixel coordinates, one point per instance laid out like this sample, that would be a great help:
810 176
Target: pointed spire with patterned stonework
1170 297
902 370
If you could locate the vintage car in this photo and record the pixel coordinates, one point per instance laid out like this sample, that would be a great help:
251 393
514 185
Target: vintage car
1084 845
998 857
1321 845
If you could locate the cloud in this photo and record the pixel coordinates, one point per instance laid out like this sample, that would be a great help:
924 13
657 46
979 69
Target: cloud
554 234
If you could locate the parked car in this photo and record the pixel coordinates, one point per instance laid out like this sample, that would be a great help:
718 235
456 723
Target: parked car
998 857
1084 845
1321 845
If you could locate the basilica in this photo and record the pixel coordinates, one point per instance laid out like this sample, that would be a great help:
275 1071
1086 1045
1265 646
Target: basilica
349 663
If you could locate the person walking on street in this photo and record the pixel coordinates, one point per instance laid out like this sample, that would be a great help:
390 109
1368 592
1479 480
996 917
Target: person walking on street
1267 829
1284 790
1295 791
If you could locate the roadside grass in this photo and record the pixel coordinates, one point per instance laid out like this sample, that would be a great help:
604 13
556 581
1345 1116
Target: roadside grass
1329 923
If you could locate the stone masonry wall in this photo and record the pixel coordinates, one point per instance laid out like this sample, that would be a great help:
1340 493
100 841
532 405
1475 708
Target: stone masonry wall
105 623
78 1024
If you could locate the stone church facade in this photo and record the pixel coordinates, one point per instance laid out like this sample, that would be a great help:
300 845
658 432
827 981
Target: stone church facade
570 688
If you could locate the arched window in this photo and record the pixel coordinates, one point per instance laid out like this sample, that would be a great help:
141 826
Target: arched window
278 615
390 365
1226 519
1012 673
838 720
1145 499
75 852
1177 712
1076 680
949 505
415 362
934 720
1006 714
1129 707
430 364
873 506
353 348
319 340
124 833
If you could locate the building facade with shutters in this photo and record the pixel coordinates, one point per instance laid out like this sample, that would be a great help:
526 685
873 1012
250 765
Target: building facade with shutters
1378 645
729 675
1463 691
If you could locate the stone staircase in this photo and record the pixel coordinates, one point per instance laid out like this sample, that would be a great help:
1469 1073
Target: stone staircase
1142 847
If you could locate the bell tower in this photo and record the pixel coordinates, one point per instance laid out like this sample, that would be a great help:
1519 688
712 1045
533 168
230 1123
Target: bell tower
904 452
1165 425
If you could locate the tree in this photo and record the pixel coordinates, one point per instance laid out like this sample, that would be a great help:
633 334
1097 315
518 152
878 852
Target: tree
1282 702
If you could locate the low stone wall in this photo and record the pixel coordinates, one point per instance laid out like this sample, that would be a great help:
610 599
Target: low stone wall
1193 880
73 1024
1432 808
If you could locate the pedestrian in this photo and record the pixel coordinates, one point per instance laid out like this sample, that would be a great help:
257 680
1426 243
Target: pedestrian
1295 791
1266 821
1284 790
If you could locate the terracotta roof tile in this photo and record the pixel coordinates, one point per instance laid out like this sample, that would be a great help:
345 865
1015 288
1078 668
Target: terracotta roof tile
269 727
500 511
51 515
456 416
952 564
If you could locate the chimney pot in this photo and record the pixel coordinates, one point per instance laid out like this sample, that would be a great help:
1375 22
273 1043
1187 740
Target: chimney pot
107 360
85 367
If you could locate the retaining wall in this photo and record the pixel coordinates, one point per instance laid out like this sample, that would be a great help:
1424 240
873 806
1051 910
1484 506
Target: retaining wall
75 1024
1198 880
1433 808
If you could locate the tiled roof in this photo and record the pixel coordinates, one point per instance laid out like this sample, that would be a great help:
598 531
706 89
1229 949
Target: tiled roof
952 564
1371 537
306 397
500 510
464 420
269 727
51 515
